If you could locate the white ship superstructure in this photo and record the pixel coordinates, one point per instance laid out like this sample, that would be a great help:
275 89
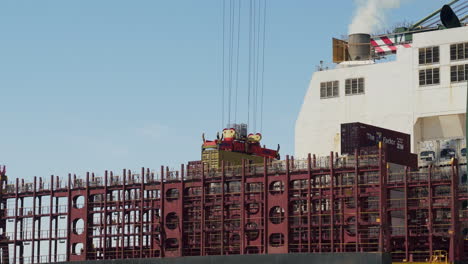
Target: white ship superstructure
422 93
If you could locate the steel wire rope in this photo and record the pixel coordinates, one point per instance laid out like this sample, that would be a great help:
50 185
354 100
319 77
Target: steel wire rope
223 62
456 8
231 44
455 11
254 73
436 18
254 35
259 31
263 66
249 64
237 59
254 64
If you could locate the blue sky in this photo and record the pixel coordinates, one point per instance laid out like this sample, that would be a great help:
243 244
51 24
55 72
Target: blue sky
94 85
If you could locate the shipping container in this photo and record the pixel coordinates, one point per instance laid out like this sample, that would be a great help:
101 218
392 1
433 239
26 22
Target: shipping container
358 135
212 158
441 151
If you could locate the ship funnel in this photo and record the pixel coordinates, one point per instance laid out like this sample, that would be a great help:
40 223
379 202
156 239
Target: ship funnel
359 47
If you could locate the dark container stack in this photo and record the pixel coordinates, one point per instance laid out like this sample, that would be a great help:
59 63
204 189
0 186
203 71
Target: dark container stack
398 145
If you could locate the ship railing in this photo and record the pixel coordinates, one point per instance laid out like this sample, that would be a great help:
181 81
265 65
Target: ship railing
114 180
78 183
395 177
441 228
232 171
278 166
152 177
397 230
213 173
172 176
37 259
419 202
343 162
419 229
442 191
44 187
322 162
440 203
96 182
441 173
299 185
463 189
299 165
464 215
418 176
396 203
39 234
369 160
419 256
28 211
369 178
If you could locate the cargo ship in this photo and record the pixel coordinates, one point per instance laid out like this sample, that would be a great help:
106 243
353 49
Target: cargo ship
364 197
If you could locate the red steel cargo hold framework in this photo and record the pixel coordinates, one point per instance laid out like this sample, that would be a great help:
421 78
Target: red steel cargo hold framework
352 204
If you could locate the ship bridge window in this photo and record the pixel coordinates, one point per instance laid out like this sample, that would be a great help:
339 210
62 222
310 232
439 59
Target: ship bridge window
329 89
428 55
429 76
459 73
459 51
354 86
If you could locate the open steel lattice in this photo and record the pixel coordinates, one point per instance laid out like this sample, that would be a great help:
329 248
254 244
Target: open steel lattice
321 204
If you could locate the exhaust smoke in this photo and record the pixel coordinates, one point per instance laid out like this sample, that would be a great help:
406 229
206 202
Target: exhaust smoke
370 15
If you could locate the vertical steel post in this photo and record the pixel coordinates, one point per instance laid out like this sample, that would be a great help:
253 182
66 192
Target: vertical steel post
320 211
15 239
429 209
242 201
309 202
161 216
142 206
405 185
286 209
223 168
181 212
265 206
51 193
382 214
104 244
56 226
356 197
332 204
87 230
342 219
455 242
33 218
69 206
122 209
202 207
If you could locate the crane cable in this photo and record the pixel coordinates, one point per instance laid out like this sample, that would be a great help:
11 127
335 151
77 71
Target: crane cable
237 59
250 64
231 54
231 59
263 67
222 84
